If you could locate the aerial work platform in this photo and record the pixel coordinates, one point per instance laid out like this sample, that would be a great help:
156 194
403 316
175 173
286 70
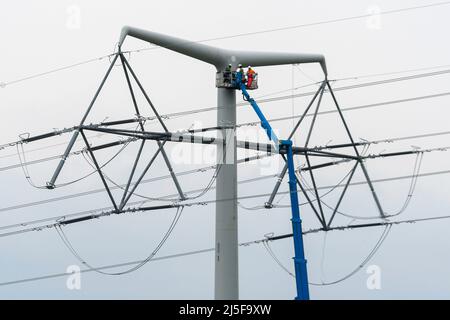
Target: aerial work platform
228 80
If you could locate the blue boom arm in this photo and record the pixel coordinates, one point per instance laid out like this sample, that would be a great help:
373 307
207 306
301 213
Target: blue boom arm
264 123
301 272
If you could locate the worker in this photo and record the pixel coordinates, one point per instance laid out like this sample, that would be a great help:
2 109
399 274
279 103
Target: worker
240 74
250 76
227 74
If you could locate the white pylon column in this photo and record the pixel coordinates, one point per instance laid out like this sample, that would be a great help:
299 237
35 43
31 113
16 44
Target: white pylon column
226 244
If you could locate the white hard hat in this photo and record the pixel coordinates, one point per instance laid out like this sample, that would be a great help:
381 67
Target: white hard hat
239 65
249 67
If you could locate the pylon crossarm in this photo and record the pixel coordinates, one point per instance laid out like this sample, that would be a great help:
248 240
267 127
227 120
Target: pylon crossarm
336 208
120 122
113 144
99 170
316 191
313 152
130 178
179 137
159 136
321 87
145 94
342 145
110 212
51 183
324 165
363 167
372 189
144 172
130 88
269 203
171 172
308 137
141 125
46 135
313 121
241 144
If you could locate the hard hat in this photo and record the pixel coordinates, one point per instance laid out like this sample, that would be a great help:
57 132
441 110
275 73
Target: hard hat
249 67
240 65
229 65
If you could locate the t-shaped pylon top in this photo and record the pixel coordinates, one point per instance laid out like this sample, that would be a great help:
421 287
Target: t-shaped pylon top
219 57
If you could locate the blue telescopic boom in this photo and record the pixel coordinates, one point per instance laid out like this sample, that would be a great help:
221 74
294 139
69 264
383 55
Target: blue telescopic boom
264 123
301 272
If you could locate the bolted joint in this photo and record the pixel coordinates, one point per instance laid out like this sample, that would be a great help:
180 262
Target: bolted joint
300 261
296 220
283 145
286 142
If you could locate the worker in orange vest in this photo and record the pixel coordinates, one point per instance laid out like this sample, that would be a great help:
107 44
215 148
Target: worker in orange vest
250 76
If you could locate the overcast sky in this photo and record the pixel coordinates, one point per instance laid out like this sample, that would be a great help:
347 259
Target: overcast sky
38 36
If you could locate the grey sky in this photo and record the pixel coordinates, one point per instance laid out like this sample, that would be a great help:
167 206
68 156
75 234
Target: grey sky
38 36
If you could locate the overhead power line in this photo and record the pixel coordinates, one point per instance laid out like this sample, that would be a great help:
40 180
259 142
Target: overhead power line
168 116
149 180
389 73
196 252
361 265
311 93
90 192
188 172
104 211
149 258
330 21
386 140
